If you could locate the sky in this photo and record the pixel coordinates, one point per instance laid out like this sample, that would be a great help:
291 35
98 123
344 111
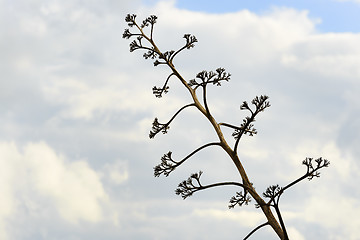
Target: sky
76 108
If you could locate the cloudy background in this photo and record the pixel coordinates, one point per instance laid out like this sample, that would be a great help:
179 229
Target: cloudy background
76 109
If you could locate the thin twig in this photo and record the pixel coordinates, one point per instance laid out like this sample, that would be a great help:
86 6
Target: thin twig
255 229
282 224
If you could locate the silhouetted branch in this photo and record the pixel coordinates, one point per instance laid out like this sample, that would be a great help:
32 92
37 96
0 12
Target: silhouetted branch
150 20
168 165
255 229
252 132
187 187
274 192
214 78
158 127
153 52
311 172
130 19
247 127
206 78
205 101
135 45
239 199
190 40
163 127
282 224
159 91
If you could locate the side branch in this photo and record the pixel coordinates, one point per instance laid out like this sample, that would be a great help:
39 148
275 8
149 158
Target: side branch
239 199
158 91
190 40
187 187
274 192
261 103
312 171
163 127
168 165
238 128
282 224
205 100
255 229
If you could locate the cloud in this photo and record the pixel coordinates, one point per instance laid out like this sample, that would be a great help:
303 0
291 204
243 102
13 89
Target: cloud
117 172
309 75
74 187
331 55
252 218
68 82
343 164
9 155
38 173
85 101
295 234
266 34
344 211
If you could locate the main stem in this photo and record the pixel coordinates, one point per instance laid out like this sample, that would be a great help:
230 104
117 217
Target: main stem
232 154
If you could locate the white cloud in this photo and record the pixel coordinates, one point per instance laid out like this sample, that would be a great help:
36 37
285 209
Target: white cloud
295 234
251 38
278 48
8 157
35 26
252 218
332 55
73 189
64 62
341 163
82 100
334 212
117 172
